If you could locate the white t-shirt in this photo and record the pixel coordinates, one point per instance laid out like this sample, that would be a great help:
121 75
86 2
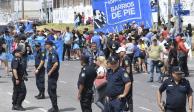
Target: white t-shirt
101 70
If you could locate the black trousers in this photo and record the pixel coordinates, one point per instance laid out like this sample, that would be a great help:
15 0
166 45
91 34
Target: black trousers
19 93
66 48
175 110
183 65
86 101
40 80
52 91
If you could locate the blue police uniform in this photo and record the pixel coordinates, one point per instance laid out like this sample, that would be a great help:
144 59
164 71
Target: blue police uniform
115 87
40 76
86 78
52 79
19 91
127 65
176 94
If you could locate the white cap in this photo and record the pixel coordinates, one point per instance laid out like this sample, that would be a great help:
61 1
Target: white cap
121 49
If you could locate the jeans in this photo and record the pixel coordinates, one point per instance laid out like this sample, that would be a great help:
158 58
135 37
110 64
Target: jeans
152 64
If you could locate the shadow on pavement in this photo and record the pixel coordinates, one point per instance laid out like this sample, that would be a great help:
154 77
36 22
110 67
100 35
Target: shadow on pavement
68 109
31 108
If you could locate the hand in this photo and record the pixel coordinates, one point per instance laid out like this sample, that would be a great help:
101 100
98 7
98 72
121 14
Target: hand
190 110
121 96
17 82
161 105
36 71
49 74
78 96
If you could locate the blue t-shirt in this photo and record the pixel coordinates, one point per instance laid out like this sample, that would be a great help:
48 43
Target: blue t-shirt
96 39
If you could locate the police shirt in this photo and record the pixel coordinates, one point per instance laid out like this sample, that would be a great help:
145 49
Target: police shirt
87 76
176 94
52 59
19 66
116 82
40 56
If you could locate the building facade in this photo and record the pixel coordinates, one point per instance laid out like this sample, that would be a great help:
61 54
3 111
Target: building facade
63 10
31 9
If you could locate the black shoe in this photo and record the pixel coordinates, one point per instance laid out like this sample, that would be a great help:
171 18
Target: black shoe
53 110
41 96
151 80
13 107
19 108
37 96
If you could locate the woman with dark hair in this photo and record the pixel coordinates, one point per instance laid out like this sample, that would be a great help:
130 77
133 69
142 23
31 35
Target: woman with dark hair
189 32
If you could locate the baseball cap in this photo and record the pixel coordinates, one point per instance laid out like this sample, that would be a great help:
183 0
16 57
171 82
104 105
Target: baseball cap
113 59
37 44
177 70
48 42
121 49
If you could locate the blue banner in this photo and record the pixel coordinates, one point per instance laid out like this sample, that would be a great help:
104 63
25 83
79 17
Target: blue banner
111 15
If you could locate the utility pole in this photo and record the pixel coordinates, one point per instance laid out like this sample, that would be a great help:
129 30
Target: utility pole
22 9
45 10
179 16
169 12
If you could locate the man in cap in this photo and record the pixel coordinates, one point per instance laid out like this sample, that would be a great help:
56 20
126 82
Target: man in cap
19 87
85 84
117 88
126 64
178 90
53 66
40 71
154 53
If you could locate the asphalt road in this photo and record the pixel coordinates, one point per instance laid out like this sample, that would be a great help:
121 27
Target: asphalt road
144 92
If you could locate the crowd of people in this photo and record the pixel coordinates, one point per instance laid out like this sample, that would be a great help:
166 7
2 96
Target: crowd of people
109 61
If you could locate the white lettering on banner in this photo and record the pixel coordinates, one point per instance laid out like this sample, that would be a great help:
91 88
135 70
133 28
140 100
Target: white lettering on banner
125 9
113 1
130 11
122 6
117 14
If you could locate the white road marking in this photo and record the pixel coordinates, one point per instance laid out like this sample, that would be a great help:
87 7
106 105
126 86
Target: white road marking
63 82
27 102
146 109
155 86
41 109
9 93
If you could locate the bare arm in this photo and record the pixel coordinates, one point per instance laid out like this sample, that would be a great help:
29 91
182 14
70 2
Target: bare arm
159 100
15 74
190 101
40 65
53 68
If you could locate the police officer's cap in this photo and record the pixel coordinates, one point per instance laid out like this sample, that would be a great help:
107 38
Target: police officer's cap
18 50
37 44
177 70
85 58
48 42
113 59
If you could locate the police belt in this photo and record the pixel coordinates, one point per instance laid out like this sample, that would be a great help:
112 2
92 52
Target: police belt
112 98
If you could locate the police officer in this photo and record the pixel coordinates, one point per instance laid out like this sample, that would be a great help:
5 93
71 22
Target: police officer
53 66
85 84
117 88
19 88
126 64
40 71
178 90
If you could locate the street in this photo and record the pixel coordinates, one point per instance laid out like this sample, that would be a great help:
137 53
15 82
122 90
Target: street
144 92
